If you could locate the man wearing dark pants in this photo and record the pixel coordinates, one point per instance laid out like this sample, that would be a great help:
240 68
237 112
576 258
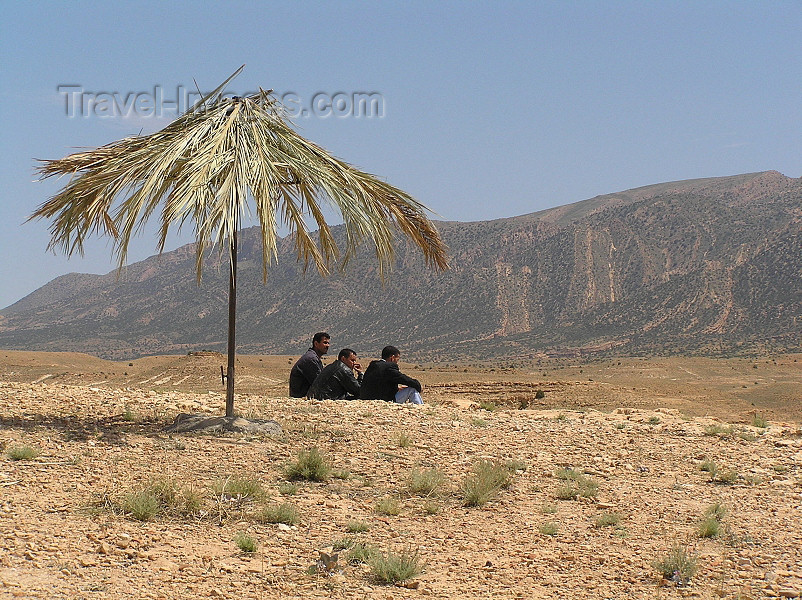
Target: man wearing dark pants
308 367
383 377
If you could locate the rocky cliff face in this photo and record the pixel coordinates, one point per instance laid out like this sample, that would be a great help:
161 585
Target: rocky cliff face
711 265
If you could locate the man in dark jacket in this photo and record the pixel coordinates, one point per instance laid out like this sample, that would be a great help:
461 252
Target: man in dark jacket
383 377
307 367
337 381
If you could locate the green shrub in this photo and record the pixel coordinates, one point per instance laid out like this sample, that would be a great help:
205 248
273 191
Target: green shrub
239 487
404 440
392 567
567 473
759 421
279 513
143 505
342 544
288 489
311 465
425 483
716 511
588 487
189 502
245 542
577 485
488 405
160 496
515 464
431 508
719 430
22 452
487 480
709 528
678 565
540 394
725 477
130 416
388 506
708 466
360 553
566 492
357 527
549 528
607 520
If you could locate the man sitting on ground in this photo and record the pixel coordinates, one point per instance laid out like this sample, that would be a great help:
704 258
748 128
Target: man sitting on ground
307 367
383 377
337 381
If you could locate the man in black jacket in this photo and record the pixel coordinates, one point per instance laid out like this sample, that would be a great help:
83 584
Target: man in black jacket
307 367
383 377
337 381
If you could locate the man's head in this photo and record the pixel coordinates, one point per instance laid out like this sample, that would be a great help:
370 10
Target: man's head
320 343
348 357
391 354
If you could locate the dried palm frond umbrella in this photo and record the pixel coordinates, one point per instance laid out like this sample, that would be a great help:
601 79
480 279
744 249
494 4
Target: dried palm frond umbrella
210 167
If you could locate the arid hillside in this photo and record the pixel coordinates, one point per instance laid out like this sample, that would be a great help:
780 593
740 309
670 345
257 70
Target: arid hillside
709 266
593 478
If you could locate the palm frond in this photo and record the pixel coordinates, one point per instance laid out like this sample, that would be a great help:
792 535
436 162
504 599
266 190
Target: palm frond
205 166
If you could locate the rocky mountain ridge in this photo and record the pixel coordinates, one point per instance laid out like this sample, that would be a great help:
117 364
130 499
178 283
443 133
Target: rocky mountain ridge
701 266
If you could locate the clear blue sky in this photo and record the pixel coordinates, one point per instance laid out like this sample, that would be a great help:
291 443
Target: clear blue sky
489 109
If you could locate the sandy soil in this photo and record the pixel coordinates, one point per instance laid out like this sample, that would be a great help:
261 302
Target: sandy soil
640 429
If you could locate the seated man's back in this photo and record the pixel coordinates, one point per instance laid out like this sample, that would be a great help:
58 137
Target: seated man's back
383 377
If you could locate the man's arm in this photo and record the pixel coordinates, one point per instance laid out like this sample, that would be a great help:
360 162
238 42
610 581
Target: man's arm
346 378
396 376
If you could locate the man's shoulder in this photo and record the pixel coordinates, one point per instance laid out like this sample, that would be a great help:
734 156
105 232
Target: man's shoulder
381 365
310 356
331 367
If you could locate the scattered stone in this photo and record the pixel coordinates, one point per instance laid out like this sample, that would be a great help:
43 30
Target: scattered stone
204 424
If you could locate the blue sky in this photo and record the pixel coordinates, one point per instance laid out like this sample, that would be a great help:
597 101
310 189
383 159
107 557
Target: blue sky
490 110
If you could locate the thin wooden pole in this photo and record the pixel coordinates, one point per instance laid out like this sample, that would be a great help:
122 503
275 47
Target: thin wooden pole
232 320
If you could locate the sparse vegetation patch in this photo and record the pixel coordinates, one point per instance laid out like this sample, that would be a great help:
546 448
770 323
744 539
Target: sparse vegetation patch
395 567
22 453
487 479
426 482
678 565
310 465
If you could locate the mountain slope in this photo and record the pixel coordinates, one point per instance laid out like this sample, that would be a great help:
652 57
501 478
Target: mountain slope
709 265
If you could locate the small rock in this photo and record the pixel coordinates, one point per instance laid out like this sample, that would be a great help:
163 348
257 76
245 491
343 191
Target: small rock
87 561
788 593
162 564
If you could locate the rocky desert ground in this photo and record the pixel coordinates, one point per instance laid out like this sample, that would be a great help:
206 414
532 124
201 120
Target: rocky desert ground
608 469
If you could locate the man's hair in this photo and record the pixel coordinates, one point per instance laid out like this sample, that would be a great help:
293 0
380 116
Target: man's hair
320 336
345 353
389 351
